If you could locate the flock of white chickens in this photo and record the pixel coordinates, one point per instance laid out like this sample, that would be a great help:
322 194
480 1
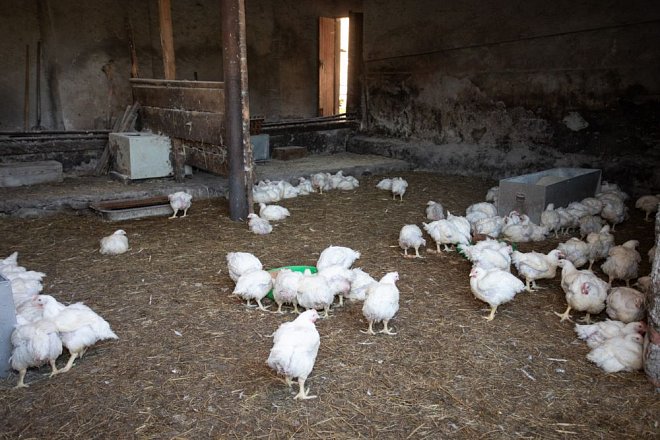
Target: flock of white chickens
46 326
296 343
616 343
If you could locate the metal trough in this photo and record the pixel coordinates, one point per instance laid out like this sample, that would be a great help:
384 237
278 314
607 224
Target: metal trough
7 324
130 209
531 193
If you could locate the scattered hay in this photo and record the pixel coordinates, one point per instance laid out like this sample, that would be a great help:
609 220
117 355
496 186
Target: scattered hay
190 362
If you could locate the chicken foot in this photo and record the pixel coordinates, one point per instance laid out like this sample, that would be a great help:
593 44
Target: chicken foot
566 315
386 330
447 248
261 306
303 393
491 316
370 331
185 212
173 215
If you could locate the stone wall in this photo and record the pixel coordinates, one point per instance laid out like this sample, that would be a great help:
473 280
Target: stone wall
573 79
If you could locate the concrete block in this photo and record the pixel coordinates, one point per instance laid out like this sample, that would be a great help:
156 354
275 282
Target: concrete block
260 146
7 324
141 155
30 173
289 153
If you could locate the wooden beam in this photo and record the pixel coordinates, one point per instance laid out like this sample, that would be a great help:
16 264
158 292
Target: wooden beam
204 127
167 38
237 109
181 98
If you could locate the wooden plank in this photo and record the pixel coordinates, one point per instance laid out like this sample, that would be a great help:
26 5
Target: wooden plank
181 98
207 157
167 38
195 126
327 63
17 147
355 63
177 83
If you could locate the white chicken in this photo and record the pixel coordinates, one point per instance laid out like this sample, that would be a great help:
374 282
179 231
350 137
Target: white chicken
410 236
295 346
285 288
304 186
399 186
644 284
239 263
536 266
524 232
79 327
265 193
385 184
612 188
314 292
381 303
34 344
259 225
625 304
488 209
567 220
491 227
648 204
337 256
622 262
254 285
461 223
180 201
114 244
593 205
600 244
595 334
585 292
321 181
550 218
494 287
489 254
576 251
287 191
444 232
434 211
273 213
614 210
621 353
578 209
339 279
590 223
360 284
493 194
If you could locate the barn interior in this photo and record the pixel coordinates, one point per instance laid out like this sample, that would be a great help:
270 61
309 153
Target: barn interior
454 96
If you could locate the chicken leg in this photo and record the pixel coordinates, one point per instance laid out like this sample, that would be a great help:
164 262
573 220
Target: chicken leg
386 330
447 248
417 253
261 306
491 316
185 212
370 331
586 319
69 364
174 215
53 368
564 316
303 393
21 377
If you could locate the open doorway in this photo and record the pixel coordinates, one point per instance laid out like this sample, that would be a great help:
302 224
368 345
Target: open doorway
333 65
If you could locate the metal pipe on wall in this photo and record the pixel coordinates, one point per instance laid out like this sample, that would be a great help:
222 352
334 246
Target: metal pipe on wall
26 100
237 113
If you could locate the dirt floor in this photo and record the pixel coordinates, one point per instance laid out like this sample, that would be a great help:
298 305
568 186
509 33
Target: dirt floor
191 359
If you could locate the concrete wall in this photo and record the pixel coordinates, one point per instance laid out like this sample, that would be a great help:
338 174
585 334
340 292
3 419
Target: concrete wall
502 75
283 54
81 38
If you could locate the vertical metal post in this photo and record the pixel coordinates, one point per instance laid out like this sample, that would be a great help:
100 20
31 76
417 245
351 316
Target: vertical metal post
7 324
237 109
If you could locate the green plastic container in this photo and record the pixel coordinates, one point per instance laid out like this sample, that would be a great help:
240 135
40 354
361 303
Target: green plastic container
300 269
